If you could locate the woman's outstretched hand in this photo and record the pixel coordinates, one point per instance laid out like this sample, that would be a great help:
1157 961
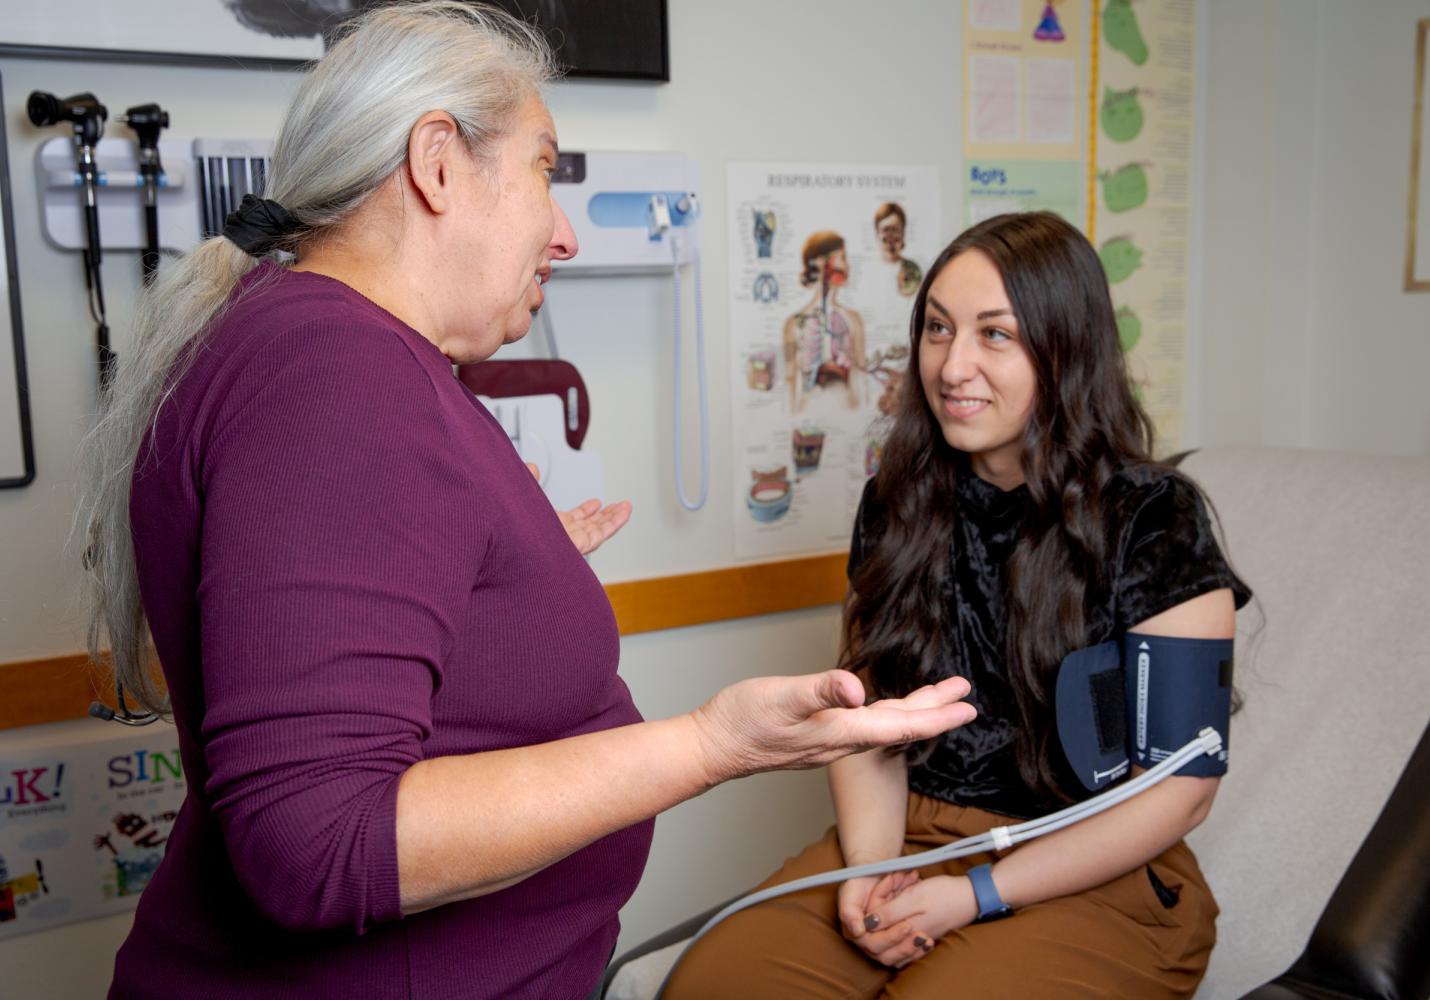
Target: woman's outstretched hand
775 723
590 524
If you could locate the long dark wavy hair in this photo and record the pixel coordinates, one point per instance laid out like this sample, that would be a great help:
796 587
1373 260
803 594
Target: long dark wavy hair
1085 426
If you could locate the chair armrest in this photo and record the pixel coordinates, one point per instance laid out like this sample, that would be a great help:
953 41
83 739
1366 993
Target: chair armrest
1373 938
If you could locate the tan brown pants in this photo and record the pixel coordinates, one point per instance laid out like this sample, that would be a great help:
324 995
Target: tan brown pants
1117 940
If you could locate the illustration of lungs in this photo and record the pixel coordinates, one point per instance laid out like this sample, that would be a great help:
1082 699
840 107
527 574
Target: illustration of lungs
1120 257
1125 188
1121 115
1119 27
764 233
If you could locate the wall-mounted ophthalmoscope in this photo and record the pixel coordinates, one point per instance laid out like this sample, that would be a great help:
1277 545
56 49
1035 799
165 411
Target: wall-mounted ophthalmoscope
88 117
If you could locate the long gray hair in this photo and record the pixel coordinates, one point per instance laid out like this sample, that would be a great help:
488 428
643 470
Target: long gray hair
344 136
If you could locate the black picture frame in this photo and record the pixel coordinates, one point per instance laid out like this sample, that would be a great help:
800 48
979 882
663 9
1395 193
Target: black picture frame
649 19
16 419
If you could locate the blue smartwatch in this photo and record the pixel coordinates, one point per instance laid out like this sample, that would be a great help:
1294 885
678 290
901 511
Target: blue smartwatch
990 904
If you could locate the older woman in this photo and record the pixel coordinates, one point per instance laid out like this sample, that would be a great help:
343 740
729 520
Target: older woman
413 770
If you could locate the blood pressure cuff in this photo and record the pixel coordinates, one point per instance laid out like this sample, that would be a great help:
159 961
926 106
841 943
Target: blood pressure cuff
1139 700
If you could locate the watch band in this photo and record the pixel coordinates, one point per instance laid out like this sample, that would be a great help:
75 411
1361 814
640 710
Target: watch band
990 904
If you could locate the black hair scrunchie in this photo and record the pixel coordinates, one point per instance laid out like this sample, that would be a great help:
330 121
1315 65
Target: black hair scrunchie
258 224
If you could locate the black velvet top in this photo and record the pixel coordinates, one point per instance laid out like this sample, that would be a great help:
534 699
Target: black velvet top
1166 554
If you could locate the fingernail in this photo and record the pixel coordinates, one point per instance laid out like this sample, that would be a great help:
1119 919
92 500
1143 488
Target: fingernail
923 943
871 922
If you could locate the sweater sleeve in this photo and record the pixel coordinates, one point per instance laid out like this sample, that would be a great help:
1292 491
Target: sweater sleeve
340 541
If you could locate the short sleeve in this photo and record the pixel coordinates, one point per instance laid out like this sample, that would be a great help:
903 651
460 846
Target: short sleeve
1169 553
336 561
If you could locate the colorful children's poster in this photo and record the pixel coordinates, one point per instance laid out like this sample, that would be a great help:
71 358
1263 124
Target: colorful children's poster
824 265
1024 85
993 187
83 825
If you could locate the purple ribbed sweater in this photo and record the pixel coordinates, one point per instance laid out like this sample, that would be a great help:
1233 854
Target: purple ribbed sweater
347 569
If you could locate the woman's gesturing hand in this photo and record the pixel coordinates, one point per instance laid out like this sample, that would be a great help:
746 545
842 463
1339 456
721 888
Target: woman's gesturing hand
590 524
770 723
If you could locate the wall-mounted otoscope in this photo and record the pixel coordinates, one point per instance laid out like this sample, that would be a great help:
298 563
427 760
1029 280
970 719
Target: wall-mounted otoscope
147 121
87 116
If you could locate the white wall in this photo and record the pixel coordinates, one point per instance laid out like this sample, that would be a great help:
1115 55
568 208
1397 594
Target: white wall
821 80
1307 339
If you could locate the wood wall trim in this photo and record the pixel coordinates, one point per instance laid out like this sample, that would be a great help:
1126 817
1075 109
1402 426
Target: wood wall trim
50 690
62 687
723 594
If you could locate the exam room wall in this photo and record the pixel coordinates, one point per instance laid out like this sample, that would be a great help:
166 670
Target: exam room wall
1306 336
752 81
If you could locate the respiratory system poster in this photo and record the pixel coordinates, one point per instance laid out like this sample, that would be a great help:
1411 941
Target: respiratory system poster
824 265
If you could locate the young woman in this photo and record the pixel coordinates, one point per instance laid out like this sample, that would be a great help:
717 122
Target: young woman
1017 516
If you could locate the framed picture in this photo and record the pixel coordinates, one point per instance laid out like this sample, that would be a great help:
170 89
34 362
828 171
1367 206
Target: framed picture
1417 233
17 450
614 39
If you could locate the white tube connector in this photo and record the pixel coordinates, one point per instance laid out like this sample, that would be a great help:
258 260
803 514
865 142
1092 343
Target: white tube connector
1210 741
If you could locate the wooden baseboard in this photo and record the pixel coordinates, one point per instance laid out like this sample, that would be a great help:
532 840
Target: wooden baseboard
62 687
